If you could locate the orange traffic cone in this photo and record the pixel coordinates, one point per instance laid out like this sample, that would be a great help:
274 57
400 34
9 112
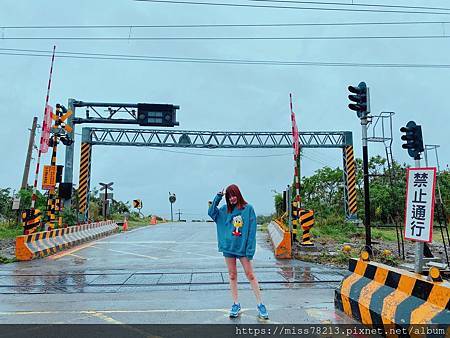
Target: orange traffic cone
125 225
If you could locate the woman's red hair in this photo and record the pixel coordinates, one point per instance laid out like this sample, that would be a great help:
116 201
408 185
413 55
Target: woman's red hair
234 190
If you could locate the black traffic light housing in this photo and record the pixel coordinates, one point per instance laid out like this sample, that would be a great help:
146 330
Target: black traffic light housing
65 190
66 140
157 114
413 138
360 99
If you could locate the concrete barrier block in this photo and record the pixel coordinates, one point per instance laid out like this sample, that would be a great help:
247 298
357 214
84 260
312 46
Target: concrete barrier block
46 243
382 296
281 241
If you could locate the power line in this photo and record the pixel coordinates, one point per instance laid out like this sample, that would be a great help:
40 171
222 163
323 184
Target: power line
354 4
294 24
293 7
189 38
123 57
213 155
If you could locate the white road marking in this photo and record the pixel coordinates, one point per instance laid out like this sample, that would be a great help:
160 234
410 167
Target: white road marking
71 254
193 253
156 242
127 253
87 245
70 251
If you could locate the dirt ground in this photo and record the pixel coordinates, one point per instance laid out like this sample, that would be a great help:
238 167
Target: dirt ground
7 249
332 253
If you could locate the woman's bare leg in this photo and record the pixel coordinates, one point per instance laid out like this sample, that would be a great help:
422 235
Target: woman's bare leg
248 268
232 274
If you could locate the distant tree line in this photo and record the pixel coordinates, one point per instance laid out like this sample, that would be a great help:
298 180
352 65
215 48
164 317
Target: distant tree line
324 191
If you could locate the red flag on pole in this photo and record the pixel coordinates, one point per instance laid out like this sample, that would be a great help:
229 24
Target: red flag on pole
295 138
46 127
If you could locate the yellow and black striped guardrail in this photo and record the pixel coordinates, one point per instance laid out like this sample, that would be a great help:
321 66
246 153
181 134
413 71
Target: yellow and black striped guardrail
41 244
381 296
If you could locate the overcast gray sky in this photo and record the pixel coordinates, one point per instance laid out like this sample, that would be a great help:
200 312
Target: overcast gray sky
220 96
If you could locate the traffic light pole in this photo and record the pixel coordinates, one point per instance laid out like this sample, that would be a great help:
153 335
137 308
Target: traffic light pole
419 246
364 123
105 201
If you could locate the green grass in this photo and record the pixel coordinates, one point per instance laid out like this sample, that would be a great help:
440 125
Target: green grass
338 232
384 234
342 232
134 224
341 258
138 224
8 231
4 260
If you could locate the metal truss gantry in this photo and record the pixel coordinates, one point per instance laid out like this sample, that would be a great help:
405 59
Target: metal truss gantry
213 139
116 113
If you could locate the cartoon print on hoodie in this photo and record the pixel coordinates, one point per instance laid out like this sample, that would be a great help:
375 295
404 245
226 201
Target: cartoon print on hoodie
237 223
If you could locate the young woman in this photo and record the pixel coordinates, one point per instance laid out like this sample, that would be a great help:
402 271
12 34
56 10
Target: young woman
236 235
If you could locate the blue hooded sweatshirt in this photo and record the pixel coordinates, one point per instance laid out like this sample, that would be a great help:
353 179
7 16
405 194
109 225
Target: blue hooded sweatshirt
236 231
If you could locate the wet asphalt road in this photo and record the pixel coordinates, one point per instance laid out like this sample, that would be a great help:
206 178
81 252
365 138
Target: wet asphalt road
165 273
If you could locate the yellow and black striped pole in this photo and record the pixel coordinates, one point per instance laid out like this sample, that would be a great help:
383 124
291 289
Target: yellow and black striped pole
297 200
307 222
85 178
31 220
51 201
350 182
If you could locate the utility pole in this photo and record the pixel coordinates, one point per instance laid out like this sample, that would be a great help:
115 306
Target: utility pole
414 144
105 201
364 123
419 246
26 170
362 107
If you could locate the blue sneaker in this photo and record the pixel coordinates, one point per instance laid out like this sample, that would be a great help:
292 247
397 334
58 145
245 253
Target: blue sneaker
235 308
262 311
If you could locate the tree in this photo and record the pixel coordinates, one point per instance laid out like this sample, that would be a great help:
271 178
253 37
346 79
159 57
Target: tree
119 207
25 199
6 211
323 191
278 204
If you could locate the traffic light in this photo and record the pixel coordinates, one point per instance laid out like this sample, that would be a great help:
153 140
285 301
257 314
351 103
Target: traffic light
361 105
157 115
413 138
66 140
65 190
59 173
